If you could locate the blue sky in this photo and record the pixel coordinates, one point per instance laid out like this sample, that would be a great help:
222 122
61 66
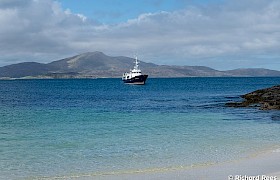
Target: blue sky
115 11
222 34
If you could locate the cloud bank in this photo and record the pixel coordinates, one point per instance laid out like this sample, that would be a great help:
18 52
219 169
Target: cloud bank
230 35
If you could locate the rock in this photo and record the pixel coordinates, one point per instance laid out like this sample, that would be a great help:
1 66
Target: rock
266 99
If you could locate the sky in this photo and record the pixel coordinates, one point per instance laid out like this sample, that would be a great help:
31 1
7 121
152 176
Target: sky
222 34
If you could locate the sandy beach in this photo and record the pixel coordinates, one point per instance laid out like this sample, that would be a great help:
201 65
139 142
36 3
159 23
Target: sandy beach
261 166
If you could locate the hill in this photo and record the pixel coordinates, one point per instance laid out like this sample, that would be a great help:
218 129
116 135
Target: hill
97 64
253 72
24 69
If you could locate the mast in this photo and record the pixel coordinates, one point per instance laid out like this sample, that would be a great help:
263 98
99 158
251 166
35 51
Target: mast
136 67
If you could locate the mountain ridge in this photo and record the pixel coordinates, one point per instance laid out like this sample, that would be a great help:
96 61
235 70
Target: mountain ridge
97 64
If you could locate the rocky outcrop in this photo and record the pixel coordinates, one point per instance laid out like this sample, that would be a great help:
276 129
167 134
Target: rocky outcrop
265 99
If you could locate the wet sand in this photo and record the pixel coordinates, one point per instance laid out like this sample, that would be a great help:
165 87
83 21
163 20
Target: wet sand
262 165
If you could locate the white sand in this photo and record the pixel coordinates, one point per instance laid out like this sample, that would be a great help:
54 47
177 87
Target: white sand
267 163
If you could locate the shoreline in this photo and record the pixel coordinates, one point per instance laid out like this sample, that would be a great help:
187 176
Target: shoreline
119 77
265 163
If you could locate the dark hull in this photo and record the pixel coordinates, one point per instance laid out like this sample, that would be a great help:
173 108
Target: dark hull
139 80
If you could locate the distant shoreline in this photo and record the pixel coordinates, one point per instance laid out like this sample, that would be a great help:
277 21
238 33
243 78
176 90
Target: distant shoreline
48 78
98 64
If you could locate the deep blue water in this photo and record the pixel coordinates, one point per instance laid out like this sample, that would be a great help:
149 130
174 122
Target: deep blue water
54 128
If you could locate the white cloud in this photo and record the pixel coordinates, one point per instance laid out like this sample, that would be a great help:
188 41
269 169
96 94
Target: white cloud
40 28
234 34
13 3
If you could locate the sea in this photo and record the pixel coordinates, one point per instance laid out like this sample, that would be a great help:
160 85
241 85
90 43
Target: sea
71 128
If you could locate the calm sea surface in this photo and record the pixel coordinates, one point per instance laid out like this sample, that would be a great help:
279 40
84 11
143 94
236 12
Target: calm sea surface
64 128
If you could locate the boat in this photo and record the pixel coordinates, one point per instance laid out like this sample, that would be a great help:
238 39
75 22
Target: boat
135 76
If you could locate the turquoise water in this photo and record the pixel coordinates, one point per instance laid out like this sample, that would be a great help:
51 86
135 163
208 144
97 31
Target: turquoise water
64 128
